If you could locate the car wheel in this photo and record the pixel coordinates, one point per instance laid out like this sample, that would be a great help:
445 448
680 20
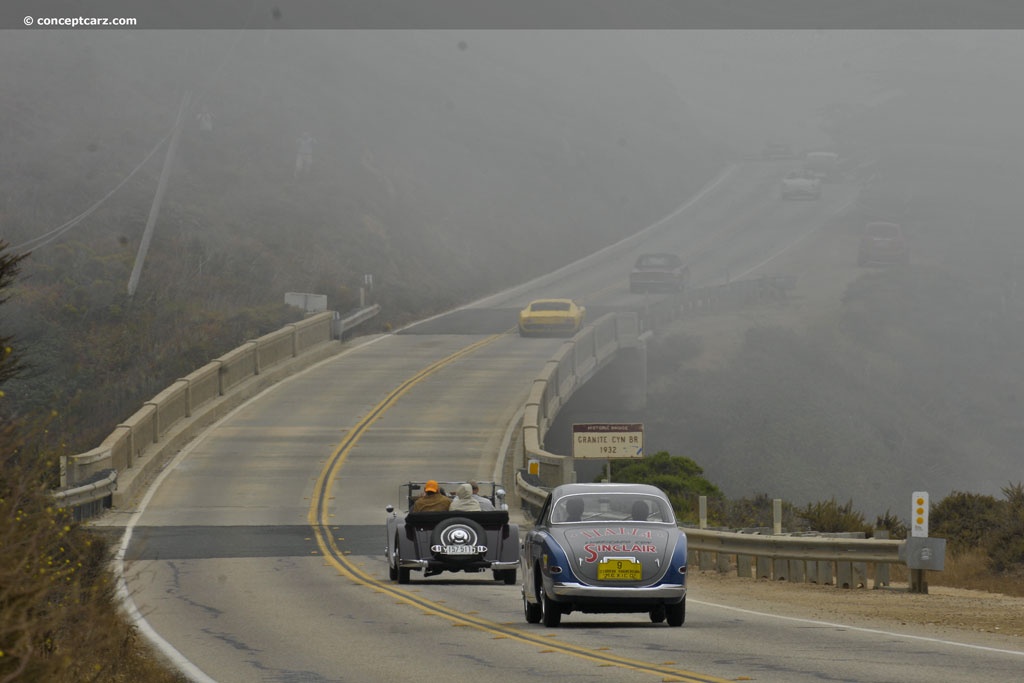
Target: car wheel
533 611
403 574
393 562
552 613
676 614
458 531
658 614
506 576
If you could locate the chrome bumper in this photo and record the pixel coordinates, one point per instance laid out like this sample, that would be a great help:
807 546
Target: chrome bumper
423 564
671 592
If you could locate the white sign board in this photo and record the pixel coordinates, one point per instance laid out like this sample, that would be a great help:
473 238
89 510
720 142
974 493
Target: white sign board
607 441
919 515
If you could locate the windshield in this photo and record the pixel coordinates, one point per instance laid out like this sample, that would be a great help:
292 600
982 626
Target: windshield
611 507
658 261
550 306
882 230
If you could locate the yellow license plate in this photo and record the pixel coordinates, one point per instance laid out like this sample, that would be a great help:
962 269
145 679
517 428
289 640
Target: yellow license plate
619 569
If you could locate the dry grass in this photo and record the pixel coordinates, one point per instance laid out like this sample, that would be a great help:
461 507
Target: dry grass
969 570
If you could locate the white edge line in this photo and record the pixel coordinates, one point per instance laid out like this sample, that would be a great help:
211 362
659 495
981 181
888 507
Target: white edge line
862 629
177 659
792 244
621 244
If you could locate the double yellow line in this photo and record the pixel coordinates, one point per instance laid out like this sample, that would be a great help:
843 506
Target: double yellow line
319 521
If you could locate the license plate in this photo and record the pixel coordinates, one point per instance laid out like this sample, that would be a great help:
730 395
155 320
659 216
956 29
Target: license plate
619 569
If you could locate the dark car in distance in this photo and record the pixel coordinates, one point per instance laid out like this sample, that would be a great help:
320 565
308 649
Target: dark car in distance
883 243
604 548
451 541
774 151
662 272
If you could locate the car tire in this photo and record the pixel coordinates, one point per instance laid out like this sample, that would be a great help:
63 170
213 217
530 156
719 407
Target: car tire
438 534
506 576
658 614
550 610
393 562
403 574
531 610
675 615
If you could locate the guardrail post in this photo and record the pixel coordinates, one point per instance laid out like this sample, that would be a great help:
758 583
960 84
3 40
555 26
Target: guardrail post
780 570
743 566
764 567
705 560
844 575
796 571
860 575
820 572
881 570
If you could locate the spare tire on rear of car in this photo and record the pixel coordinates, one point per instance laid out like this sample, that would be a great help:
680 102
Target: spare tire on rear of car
458 539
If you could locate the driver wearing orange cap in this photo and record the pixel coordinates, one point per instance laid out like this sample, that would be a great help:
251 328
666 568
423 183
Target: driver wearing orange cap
431 500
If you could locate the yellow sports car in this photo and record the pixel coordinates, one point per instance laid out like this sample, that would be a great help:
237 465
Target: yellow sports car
551 316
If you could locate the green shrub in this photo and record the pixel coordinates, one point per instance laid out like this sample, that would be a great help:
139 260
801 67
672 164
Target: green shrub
831 517
966 520
679 477
1005 546
755 512
896 527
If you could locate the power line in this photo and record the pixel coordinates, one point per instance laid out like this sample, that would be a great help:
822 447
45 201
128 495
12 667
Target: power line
52 235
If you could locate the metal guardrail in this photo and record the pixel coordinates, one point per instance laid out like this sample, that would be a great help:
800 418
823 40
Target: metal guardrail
845 562
91 478
90 499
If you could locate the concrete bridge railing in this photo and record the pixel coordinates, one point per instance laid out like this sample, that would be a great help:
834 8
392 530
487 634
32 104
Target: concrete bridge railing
113 472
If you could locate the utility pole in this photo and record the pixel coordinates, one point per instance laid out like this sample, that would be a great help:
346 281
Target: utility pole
154 210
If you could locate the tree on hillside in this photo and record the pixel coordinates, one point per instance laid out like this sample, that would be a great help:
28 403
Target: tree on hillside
679 477
10 363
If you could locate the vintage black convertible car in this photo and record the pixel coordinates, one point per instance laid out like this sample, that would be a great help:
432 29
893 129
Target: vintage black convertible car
605 548
452 541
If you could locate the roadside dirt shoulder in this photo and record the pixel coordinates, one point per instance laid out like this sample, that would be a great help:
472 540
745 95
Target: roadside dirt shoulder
952 613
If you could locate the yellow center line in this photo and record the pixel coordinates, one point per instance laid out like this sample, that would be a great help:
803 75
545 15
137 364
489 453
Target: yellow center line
319 521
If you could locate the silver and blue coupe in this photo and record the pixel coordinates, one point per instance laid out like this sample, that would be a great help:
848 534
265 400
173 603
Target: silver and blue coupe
604 548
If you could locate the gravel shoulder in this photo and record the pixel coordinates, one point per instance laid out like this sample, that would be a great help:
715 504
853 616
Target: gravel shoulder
975 617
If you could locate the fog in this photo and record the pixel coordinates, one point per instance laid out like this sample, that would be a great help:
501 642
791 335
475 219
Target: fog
488 142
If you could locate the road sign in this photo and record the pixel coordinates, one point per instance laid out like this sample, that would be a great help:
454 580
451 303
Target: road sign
606 441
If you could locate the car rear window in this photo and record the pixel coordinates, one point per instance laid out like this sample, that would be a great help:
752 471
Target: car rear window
882 230
613 507
550 306
658 261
